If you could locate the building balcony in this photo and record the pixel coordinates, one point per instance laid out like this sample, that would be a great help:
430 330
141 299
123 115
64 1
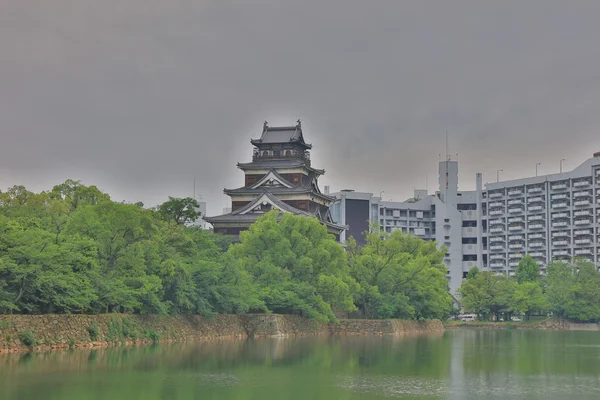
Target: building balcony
516 228
495 239
516 219
583 241
560 215
536 236
495 195
515 210
560 234
580 252
536 218
584 193
560 196
536 199
496 222
560 224
497 265
496 230
561 243
515 192
559 186
513 264
497 257
496 212
516 237
515 202
497 248
514 246
582 183
579 222
534 190
536 226
560 205
582 203
497 204
537 244
582 213
582 232
535 209
561 253
537 254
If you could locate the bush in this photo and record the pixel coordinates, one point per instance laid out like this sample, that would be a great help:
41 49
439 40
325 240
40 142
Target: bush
72 343
94 331
114 331
27 338
152 335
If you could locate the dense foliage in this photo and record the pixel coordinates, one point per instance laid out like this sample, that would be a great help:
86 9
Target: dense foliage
399 276
74 250
570 291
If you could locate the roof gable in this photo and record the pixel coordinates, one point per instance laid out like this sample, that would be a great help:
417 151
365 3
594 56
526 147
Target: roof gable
272 179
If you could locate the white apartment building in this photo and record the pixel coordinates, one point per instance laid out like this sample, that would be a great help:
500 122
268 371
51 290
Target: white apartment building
550 217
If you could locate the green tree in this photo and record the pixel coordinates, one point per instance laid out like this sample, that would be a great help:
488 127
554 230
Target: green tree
400 276
559 282
473 272
180 210
585 303
527 270
486 294
528 298
298 267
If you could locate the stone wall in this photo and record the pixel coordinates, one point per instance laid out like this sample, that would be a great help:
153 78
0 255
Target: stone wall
42 332
384 327
547 325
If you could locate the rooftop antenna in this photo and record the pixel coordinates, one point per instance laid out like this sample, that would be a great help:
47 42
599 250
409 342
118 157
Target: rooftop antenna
447 153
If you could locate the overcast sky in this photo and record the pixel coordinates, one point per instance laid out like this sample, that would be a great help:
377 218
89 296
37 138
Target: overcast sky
139 96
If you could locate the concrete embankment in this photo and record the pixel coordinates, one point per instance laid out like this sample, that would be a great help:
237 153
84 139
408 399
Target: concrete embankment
45 332
547 325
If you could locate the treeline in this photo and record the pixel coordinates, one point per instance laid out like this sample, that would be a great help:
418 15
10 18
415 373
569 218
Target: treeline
74 250
567 290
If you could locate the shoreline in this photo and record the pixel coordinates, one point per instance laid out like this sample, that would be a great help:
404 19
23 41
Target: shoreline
51 332
546 325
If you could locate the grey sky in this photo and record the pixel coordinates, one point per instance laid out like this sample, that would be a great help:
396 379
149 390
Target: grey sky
138 96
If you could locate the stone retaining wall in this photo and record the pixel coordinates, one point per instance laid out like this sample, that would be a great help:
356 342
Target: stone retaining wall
548 325
384 327
44 332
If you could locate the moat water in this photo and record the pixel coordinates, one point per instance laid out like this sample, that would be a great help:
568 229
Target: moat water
460 364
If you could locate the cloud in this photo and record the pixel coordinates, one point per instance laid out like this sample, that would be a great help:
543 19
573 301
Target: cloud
140 96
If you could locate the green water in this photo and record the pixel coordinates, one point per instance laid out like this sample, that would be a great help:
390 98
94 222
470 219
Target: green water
461 364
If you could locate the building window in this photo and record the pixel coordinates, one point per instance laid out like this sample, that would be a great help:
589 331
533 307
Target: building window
265 153
470 257
276 153
288 153
466 206
469 224
469 241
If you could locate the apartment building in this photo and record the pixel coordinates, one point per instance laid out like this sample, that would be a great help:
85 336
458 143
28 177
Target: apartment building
550 217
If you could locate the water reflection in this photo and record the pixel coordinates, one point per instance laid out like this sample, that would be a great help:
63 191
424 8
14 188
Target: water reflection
457 365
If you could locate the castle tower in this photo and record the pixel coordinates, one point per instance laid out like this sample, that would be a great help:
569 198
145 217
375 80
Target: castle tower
280 177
